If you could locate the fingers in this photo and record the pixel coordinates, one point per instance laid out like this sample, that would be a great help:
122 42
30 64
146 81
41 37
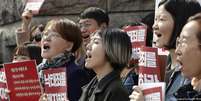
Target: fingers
7 91
137 94
43 97
27 15
137 89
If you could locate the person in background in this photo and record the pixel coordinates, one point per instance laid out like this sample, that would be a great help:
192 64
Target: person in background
148 20
108 52
61 39
129 74
21 54
170 18
26 35
189 55
91 20
27 52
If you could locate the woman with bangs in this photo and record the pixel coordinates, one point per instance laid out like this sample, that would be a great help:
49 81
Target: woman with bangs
107 53
61 38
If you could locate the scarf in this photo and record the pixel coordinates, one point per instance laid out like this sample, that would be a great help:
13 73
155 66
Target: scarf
57 61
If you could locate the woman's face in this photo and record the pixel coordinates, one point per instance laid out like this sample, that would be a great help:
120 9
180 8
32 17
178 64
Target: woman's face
95 53
163 27
188 51
36 37
52 44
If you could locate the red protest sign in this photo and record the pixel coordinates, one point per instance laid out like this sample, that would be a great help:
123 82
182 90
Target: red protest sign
55 84
22 81
138 38
154 91
34 5
149 70
3 96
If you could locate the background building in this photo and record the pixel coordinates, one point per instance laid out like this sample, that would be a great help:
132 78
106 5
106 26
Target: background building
120 12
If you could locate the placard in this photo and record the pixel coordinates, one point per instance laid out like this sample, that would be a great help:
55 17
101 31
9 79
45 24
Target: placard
55 84
22 81
3 96
149 70
138 38
34 5
154 91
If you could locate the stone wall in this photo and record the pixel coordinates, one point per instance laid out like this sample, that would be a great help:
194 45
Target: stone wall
126 10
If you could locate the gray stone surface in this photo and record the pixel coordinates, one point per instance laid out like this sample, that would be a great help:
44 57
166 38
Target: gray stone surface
130 5
10 10
61 7
119 19
120 12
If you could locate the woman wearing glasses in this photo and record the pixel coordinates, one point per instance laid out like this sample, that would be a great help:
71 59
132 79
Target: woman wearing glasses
61 38
189 55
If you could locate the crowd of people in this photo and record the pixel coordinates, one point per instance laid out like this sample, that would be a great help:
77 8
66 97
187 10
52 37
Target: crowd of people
96 57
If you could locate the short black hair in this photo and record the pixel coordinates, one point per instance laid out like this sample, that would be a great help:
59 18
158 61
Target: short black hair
97 14
180 10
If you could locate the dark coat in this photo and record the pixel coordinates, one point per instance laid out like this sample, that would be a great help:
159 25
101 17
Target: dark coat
76 77
108 88
186 93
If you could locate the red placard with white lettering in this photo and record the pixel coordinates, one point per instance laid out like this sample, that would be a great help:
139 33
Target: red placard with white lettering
55 84
138 39
22 81
34 5
149 70
154 91
3 86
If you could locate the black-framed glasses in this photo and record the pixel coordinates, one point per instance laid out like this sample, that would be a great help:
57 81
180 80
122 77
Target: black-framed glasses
36 37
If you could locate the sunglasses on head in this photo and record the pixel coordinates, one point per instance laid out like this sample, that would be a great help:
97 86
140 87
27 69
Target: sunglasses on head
36 37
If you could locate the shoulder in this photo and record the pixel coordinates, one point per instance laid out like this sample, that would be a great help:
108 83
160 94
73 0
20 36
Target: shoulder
116 87
183 91
116 92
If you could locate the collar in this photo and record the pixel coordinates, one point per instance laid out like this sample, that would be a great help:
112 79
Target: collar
104 82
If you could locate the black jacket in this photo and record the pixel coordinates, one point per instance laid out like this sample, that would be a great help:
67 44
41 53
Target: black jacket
186 93
109 88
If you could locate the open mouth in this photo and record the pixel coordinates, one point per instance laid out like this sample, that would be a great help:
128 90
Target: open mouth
46 47
157 34
85 37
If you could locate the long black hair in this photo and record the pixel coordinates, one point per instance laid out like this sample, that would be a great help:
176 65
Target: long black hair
180 10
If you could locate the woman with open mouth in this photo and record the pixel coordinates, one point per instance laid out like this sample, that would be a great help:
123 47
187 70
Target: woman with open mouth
189 56
108 53
170 17
61 38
